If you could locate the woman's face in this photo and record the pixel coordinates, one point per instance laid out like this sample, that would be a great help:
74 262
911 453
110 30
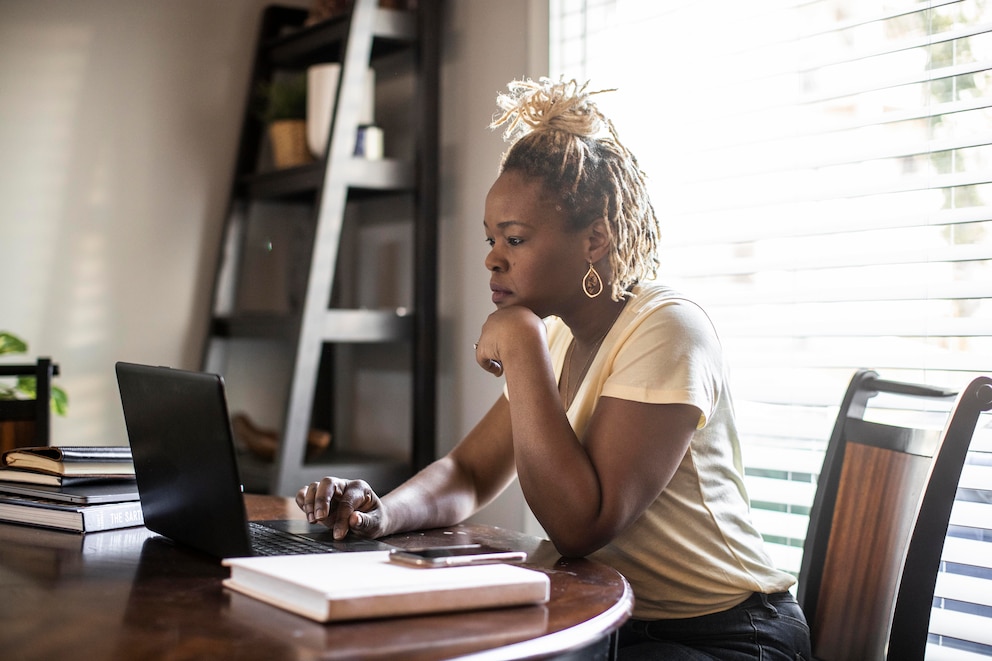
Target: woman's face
533 261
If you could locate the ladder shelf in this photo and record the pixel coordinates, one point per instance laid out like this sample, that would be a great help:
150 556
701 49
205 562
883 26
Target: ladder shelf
316 325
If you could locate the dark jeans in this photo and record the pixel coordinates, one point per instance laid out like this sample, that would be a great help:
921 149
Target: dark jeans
764 626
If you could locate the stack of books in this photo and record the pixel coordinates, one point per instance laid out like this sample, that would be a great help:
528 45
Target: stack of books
80 489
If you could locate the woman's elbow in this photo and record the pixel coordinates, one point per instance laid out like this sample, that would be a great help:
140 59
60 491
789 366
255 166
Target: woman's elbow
578 545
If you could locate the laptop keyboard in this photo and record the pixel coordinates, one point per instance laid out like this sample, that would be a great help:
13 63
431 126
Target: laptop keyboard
268 541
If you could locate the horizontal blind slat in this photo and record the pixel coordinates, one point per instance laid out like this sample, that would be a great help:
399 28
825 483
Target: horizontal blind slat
780 524
906 328
780 491
885 353
721 294
773 126
941 653
778 222
967 552
978 477
807 261
962 626
972 515
838 149
964 588
887 47
745 195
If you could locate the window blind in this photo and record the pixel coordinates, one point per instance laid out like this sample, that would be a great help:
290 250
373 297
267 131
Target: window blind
823 173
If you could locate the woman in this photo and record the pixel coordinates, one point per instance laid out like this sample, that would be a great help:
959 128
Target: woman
615 418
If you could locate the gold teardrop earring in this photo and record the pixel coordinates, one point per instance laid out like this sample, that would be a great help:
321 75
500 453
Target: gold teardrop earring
592 284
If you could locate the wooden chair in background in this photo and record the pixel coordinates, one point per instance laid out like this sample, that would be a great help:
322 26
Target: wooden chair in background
28 422
880 516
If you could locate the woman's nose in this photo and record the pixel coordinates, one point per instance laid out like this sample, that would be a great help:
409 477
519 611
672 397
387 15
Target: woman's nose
493 261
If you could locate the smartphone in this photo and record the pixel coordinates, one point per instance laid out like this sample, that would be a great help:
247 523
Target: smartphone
454 556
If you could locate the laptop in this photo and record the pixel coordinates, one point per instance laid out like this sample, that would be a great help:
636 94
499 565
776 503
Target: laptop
187 474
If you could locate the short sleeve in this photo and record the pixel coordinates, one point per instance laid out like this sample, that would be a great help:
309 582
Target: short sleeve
668 354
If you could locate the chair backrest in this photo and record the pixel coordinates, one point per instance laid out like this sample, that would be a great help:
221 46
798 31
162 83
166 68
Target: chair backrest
28 420
880 515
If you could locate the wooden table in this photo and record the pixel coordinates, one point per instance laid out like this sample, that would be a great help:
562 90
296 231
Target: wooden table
130 594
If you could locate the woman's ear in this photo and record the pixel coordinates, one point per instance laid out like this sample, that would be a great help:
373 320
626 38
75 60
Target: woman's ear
599 239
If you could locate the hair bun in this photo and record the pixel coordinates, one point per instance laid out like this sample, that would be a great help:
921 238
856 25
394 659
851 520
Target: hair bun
547 105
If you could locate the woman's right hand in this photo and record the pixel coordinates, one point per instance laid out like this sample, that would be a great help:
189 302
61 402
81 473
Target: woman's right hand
343 506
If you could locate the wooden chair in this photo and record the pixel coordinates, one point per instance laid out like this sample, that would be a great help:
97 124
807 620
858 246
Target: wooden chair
879 519
28 422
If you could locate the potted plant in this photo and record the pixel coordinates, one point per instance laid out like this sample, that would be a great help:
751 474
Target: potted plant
282 104
17 418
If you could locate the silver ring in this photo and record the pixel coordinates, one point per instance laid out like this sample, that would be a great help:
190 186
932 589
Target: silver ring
475 346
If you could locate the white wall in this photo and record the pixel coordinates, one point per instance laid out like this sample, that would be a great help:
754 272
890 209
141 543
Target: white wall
118 131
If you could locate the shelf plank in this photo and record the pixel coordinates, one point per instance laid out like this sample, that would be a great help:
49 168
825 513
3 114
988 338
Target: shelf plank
385 174
363 326
339 325
303 181
394 30
255 325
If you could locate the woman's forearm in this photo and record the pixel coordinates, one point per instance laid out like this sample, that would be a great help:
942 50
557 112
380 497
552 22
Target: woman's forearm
439 495
456 486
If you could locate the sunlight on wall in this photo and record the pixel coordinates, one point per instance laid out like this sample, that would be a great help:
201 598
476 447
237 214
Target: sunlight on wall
40 85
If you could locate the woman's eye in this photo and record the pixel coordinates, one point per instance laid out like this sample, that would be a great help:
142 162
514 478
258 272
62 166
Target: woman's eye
510 241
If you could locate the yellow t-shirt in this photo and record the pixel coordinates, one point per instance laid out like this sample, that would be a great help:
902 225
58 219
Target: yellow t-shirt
694 551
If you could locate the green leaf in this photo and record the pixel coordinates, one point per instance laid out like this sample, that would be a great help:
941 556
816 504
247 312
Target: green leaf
10 343
60 401
26 386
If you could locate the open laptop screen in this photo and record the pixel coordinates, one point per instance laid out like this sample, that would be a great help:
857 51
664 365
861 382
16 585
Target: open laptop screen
184 458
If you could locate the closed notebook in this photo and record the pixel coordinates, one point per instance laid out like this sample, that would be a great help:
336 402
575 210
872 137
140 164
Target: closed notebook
347 586
19 476
72 460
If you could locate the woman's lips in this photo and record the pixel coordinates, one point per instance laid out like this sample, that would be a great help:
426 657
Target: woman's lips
499 294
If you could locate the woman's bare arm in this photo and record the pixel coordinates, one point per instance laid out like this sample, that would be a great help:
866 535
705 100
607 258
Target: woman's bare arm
583 491
444 493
